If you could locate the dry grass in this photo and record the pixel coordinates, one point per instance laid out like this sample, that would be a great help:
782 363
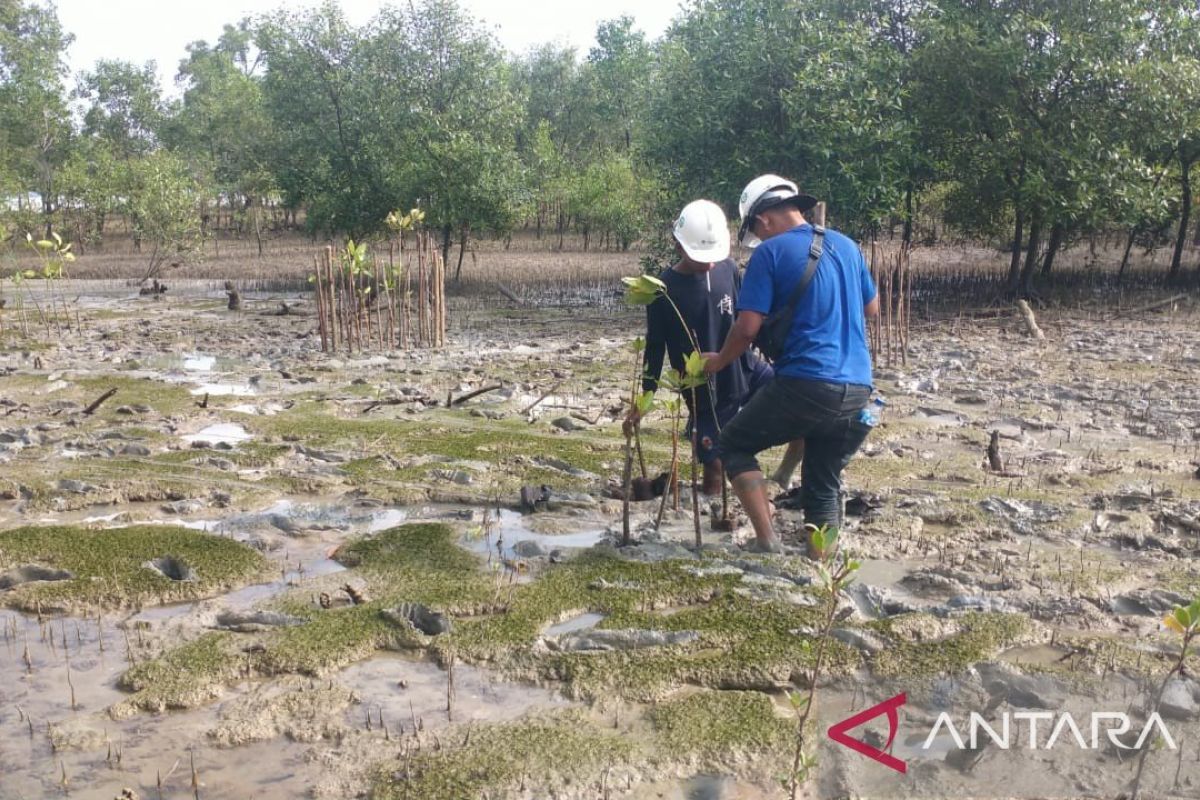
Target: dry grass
538 272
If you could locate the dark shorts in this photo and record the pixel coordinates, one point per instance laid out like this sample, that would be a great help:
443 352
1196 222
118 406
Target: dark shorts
710 425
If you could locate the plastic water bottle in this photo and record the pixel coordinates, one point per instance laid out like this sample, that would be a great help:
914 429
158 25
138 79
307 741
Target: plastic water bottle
871 413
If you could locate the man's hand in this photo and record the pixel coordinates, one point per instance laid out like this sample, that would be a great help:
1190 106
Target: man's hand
632 420
712 363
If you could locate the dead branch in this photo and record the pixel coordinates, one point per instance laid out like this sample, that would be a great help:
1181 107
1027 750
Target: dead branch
1151 306
470 395
504 290
99 401
538 402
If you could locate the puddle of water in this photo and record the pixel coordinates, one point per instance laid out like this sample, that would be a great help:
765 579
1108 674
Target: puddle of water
478 696
880 572
513 528
225 389
221 433
198 362
264 410
386 518
150 745
1042 655
701 787
581 622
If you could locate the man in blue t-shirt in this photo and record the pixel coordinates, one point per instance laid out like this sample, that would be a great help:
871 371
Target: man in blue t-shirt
823 376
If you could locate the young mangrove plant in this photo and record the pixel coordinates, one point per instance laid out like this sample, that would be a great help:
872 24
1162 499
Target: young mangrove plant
54 256
1185 621
638 346
674 408
836 573
644 290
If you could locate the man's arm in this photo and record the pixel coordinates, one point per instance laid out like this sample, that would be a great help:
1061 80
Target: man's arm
740 337
871 309
656 345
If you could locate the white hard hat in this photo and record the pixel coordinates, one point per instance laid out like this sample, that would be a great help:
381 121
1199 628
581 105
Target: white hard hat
767 191
702 232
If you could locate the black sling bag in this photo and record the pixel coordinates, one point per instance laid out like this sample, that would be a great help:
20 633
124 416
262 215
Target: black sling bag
772 336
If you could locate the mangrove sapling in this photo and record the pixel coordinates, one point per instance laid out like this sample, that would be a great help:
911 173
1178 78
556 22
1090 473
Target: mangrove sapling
642 291
673 406
639 348
1185 621
836 573
692 378
54 256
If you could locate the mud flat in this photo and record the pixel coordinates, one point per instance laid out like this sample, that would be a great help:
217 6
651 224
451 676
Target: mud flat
314 575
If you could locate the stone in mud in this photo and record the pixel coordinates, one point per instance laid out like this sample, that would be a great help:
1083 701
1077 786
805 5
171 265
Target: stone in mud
254 621
137 450
416 615
76 487
862 640
560 465
32 573
172 569
286 524
321 455
1179 700
568 424
1147 602
527 548
630 639
458 476
982 603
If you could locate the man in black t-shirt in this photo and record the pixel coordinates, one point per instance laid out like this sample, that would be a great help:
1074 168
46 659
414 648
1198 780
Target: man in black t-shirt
704 285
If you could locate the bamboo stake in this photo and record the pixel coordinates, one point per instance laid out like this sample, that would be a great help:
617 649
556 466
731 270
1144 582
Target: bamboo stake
321 304
333 315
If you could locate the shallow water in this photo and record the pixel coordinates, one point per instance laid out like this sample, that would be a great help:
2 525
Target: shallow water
502 536
221 433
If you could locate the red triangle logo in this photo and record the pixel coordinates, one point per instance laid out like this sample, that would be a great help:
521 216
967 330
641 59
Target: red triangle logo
889 707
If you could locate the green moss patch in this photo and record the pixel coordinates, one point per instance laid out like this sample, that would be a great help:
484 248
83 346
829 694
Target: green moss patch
108 570
540 752
186 677
718 727
979 637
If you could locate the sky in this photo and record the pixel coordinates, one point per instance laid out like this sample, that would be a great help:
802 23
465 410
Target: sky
144 30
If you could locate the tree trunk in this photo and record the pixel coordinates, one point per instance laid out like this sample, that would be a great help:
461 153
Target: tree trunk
1014 266
1185 215
446 244
908 215
1035 241
1056 237
462 248
1125 257
258 229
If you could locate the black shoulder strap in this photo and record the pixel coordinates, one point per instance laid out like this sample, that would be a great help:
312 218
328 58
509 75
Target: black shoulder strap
814 255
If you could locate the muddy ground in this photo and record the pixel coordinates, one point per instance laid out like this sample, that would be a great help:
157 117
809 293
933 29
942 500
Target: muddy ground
257 570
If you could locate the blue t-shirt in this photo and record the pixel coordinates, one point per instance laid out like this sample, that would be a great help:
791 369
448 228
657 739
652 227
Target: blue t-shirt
828 339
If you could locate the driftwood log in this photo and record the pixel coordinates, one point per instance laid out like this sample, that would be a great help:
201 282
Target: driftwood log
1030 321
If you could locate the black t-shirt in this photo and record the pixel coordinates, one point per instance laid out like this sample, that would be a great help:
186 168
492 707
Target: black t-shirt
707 301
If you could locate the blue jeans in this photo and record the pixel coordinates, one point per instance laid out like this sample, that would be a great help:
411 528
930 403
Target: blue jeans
824 415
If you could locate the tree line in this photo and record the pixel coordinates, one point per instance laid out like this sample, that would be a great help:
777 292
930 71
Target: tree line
1030 123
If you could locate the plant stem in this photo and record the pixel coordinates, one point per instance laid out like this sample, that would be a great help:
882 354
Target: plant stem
1177 669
